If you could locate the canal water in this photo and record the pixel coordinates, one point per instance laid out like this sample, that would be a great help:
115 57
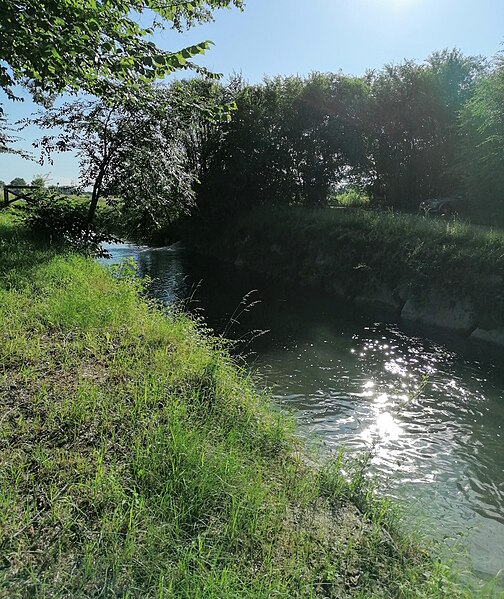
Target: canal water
427 405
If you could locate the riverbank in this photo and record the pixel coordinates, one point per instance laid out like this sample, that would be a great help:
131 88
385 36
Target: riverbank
442 273
137 459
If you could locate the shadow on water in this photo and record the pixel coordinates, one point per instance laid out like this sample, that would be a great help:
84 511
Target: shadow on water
429 404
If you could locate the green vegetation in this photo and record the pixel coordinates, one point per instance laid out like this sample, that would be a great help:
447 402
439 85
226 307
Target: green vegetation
483 144
352 197
148 172
63 220
361 252
18 181
400 135
39 181
103 48
395 134
137 460
69 45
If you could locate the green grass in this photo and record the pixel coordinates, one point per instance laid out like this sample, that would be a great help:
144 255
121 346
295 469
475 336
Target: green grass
137 460
353 252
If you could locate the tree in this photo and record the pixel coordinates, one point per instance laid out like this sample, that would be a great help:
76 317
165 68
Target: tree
149 172
18 181
92 45
413 126
185 134
39 181
482 130
95 46
328 138
289 140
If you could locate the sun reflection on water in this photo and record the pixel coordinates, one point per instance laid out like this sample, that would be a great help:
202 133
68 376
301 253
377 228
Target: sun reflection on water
384 428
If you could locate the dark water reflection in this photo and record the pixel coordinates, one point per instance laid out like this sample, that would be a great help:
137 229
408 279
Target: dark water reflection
429 405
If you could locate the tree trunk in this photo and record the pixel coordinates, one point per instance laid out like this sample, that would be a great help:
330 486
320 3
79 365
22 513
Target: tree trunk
94 199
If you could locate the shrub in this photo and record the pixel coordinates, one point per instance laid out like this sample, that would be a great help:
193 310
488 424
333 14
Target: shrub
352 197
64 221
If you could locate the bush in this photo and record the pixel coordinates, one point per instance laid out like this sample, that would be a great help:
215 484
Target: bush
64 221
352 197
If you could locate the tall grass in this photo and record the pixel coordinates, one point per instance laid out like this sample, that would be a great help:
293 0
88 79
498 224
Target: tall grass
137 460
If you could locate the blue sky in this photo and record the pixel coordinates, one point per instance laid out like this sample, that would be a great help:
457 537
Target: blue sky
298 36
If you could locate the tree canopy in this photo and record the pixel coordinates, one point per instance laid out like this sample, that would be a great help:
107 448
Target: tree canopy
18 181
69 45
395 134
152 173
95 46
398 136
482 148
401 135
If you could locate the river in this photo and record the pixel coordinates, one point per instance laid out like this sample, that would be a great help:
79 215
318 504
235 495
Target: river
427 405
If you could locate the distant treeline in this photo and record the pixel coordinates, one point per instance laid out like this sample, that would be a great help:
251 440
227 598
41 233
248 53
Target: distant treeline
402 134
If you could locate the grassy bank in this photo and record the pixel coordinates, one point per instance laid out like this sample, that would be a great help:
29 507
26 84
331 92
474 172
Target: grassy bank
357 253
137 460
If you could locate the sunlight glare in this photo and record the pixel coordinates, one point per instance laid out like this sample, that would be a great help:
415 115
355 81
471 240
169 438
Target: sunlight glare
385 428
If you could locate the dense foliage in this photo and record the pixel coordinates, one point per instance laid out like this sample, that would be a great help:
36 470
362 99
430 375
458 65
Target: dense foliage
102 47
393 137
150 172
482 123
62 222
396 135
57 45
